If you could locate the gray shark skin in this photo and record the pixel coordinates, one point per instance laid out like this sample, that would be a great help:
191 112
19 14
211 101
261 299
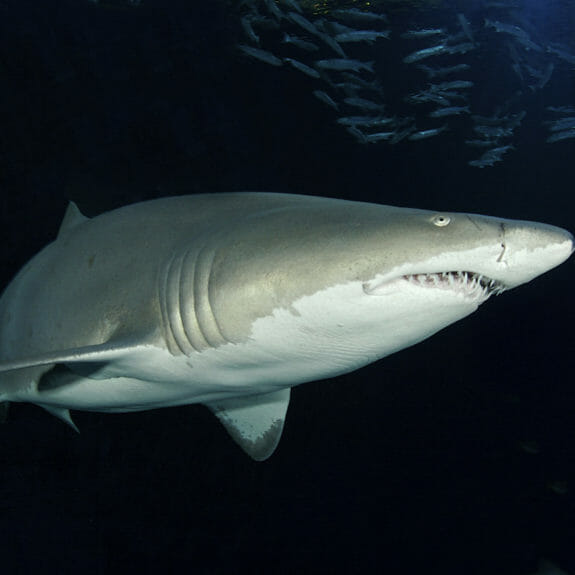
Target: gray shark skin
230 300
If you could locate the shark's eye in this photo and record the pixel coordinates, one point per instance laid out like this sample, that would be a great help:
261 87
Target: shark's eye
440 221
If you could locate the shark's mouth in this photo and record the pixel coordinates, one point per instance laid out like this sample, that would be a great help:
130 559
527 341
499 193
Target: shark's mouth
470 284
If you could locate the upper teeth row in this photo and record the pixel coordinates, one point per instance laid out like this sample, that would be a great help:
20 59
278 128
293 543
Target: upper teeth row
473 280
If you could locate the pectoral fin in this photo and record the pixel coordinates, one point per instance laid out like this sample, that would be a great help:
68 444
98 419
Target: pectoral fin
91 354
255 422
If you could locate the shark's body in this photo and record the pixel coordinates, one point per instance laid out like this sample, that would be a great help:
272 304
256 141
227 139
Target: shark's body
231 299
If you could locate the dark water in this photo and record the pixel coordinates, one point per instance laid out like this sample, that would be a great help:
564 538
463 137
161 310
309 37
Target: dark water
421 463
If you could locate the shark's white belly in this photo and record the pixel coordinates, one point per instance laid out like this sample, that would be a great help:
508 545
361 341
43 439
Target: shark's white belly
307 342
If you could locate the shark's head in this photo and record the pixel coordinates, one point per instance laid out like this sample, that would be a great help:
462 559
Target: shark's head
345 283
450 263
472 256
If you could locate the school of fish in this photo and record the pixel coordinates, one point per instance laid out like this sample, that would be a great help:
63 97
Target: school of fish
346 54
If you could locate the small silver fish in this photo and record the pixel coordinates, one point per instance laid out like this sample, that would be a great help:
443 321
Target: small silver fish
293 4
516 32
300 43
491 157
344 64
426 53
304 68
560 136
333 44
426 97
303 23
562 124
453 85
423 33
480 143
246 23
449 111
379 136
274 9
326 99
462 48
424 134
355 15
560 51
357 134
440 72
561 109
261 55
366 121
369 36
543 77
465 26
363 103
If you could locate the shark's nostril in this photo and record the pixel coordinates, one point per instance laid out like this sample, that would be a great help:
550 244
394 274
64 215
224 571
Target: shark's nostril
503 244
503 248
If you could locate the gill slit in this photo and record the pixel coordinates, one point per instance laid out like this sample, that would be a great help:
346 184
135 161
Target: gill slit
169 296
203 288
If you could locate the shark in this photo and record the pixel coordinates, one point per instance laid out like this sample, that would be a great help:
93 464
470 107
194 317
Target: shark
231 299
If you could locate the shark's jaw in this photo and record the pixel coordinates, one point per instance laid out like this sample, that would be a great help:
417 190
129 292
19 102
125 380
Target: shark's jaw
473 287
469 284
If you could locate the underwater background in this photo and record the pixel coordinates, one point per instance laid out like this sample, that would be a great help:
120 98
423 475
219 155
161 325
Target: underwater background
454 456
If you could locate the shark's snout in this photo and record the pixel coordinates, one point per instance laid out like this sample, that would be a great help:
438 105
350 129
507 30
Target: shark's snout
530 249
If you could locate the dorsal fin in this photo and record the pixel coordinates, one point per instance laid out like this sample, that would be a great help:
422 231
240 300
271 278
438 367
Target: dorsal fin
255 422
72 218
